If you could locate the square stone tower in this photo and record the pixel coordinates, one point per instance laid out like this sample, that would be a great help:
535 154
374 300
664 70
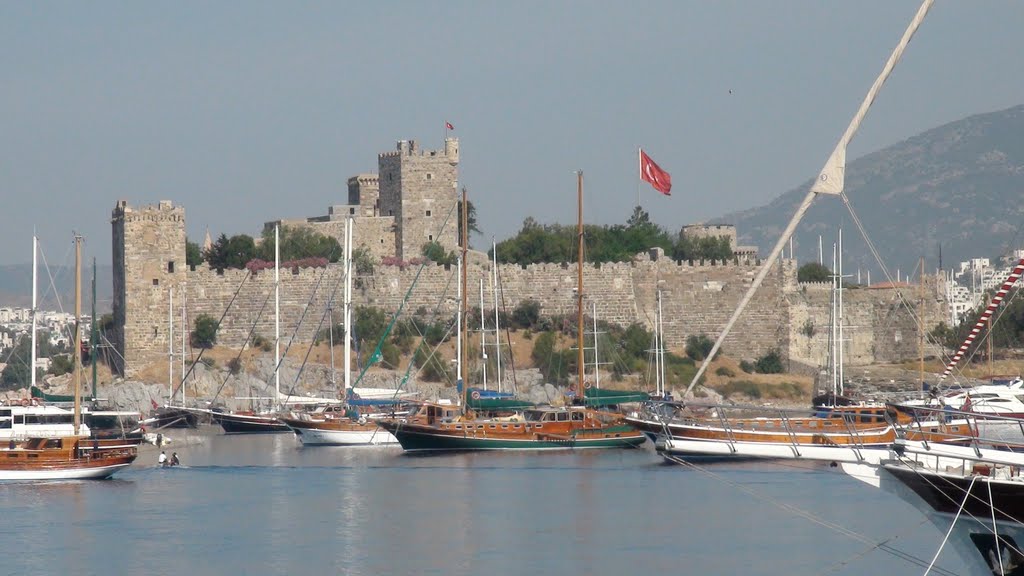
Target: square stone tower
419 189
149 262
364 192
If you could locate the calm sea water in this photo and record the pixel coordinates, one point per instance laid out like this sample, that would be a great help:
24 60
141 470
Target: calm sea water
266 505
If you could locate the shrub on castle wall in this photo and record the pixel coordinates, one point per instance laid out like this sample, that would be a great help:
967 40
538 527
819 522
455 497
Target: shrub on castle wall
256 264
205 333
399 263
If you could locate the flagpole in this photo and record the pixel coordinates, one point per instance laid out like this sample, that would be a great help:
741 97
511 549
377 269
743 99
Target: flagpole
639 162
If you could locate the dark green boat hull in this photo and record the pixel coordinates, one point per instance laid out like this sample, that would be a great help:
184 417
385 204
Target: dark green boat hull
417 439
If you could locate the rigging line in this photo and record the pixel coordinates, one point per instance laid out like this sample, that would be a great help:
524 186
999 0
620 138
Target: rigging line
248 339
49 274
952 524
913 465
437 308
376 355
906 556
298 325
192 368
323 317
885 271
508 334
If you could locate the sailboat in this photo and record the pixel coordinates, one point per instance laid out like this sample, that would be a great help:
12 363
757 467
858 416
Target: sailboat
756 432
439 427
344 425
251 421
75 456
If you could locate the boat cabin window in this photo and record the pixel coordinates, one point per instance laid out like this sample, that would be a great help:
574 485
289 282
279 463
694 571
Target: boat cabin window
578 416
563 416
6 422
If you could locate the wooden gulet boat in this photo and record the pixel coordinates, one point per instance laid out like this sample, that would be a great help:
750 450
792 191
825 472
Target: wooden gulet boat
439 427
67 457
719 435
341 425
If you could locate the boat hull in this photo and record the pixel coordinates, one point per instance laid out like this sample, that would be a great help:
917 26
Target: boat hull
421 439
82 473
324 434
249 424
67 458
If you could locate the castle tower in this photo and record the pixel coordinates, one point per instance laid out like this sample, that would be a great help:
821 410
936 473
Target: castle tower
149 261
419 189
364 192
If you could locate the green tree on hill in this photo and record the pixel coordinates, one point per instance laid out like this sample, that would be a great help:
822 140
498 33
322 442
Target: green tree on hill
813 272
234 252
193 254
299 242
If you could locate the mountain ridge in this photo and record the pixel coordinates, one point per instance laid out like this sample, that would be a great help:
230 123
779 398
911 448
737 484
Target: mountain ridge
957 186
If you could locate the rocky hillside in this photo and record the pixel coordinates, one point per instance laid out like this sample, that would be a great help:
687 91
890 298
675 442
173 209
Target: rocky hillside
959 186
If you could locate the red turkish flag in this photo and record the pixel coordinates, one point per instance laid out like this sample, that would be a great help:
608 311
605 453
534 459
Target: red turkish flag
651 172
449 126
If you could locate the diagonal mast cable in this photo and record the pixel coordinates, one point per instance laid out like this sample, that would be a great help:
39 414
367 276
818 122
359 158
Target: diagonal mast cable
377 351
830 181
192 368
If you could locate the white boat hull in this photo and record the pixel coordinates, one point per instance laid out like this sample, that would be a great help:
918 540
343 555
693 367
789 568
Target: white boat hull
70 474
316 437
684 449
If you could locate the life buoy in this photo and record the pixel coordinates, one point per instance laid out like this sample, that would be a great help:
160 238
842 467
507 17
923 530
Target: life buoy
475 395
587 384
25 402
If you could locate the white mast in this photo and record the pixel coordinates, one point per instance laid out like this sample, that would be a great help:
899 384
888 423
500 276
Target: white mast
277 314
830 181
347 306
833 332
32 363
597 365
170 344
661 348
184 331
483 333
657 347
839 287
497 327
347 313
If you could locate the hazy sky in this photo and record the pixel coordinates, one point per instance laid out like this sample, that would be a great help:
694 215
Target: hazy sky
248 111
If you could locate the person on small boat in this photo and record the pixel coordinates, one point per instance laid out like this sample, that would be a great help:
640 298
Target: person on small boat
162 460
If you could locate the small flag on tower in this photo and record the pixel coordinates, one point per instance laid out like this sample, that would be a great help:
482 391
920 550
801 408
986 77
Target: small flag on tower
448 126
651 172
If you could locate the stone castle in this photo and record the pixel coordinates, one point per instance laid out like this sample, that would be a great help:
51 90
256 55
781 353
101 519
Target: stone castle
411 201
